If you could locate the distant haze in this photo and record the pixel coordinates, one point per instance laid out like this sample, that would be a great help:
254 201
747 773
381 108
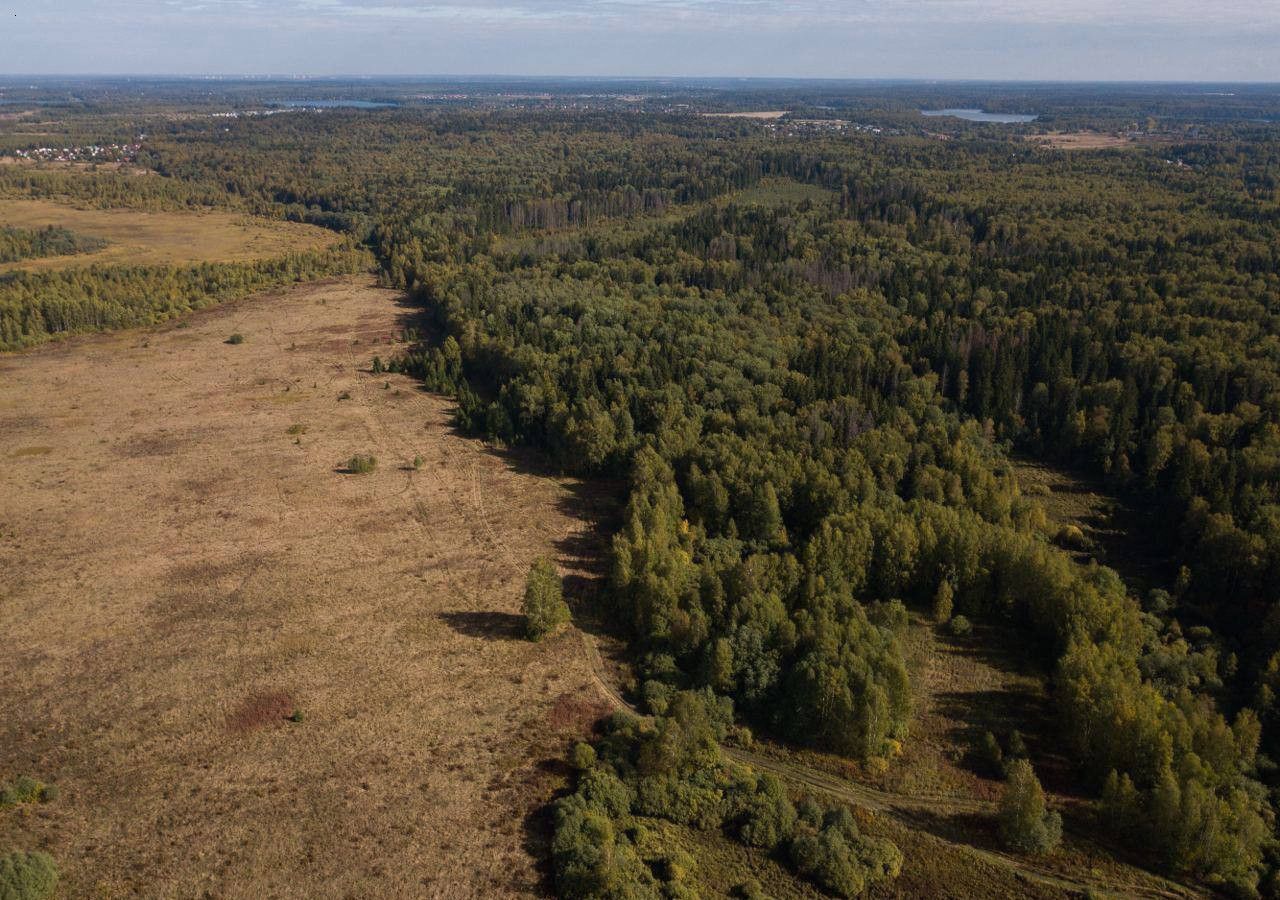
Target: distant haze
1176 40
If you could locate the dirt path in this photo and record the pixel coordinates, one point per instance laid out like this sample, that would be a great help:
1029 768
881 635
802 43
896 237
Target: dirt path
182 573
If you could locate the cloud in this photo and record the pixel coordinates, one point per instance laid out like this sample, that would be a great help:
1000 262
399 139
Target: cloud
1141 39
660 14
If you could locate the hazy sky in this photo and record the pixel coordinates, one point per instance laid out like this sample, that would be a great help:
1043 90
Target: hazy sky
1025 39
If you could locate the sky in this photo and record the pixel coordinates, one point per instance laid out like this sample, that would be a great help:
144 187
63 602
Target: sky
1158 40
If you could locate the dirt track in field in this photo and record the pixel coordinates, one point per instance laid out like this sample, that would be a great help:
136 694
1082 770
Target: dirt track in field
182 573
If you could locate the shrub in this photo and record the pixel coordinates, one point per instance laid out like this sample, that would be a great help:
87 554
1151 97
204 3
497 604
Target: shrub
657 696
417 462
838 857
236 338
544 606
361 464
296 430
943 600
27 876
769 817
591 859
960 626
26 789
1026 824
1072 538
583 756
990 756
600 787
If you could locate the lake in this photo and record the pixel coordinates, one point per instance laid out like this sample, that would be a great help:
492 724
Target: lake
978 115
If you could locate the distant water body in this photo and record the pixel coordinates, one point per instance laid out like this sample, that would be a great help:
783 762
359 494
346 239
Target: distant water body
335 104
978 115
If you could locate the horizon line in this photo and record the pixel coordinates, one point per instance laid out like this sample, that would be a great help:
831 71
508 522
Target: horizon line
829 79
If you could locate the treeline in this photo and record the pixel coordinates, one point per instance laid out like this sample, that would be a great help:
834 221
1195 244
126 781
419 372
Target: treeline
808 400
109 189
796 484
35 307
51 240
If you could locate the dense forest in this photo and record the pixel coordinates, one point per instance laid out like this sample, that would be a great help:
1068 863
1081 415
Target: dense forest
809 359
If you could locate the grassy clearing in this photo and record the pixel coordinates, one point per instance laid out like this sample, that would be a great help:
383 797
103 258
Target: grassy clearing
1081 140
1093 525
765 115
311 686
136 237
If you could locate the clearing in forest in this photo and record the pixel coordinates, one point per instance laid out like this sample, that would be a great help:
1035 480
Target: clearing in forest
140 237
765 115
1081 140
1095 525
188 568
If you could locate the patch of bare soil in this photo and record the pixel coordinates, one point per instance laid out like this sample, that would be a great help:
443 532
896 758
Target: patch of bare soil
250 674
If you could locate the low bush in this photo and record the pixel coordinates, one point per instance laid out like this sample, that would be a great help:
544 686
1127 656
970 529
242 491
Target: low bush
26 789
236 338
990 755
27 876
362 464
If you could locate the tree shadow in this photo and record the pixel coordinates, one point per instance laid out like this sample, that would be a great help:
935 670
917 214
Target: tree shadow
493 626
539 823
972 829
417 319
582 555
1025 707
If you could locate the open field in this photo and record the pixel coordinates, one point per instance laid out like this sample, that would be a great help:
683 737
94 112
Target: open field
1081 140
161 238
187 565
774 192
763 115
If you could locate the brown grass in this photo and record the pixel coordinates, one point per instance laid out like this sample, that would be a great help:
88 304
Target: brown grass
180 575
1081 140
138 237
764 115
259 711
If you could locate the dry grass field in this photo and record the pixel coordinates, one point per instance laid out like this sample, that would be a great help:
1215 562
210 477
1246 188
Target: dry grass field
1081 140
765 115
138 237
187 565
